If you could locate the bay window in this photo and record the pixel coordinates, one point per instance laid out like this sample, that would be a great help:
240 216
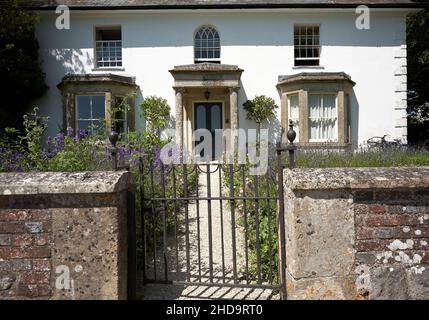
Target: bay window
97 102
318 104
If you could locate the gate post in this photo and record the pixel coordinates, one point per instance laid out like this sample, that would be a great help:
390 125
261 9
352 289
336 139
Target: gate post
291 135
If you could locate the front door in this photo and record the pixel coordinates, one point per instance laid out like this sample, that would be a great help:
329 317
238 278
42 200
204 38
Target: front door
208 115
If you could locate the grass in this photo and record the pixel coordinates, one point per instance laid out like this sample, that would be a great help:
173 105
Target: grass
368 158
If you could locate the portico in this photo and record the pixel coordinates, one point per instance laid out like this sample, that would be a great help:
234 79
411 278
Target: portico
206 97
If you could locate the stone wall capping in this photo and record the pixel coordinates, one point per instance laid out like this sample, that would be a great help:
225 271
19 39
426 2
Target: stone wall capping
356 178
64 183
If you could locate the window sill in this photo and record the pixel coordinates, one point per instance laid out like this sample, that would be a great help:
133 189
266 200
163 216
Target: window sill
308 67
108 69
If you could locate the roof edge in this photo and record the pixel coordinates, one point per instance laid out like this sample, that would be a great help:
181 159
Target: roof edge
102 77
314 76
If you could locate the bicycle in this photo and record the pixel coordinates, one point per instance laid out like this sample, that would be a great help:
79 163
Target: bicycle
382 144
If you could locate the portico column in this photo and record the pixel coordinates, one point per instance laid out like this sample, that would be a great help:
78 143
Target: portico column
179 116
233 106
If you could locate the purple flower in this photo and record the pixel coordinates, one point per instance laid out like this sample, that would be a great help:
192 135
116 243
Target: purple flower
81 134
55 145
70 132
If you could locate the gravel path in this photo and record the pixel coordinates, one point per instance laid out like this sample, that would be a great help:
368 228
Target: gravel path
222 258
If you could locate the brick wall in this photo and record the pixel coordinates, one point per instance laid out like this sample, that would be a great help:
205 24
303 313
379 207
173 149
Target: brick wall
357 233
25 253
392 236
67 228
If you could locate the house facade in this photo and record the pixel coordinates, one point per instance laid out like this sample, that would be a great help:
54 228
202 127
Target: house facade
339 84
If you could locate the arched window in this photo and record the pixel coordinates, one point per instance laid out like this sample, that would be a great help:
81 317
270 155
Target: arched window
207 45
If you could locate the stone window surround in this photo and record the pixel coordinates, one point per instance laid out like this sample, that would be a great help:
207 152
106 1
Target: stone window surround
303 84
109 85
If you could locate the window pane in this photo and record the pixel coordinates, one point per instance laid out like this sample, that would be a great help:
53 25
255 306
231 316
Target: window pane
315 103
97 126
329 105
120 126
216 122
84 124
293 107
201 116
84 107
293 113
323 117
316 52
98 107
316 30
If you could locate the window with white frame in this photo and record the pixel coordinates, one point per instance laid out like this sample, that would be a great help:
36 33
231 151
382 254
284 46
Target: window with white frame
108 47
323 118
207 45
90 112
306 45
293 113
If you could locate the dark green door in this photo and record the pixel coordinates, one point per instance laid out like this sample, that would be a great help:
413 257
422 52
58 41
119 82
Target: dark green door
208 115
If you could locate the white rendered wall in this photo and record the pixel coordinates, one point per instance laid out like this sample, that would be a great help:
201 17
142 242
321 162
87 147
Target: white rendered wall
261 43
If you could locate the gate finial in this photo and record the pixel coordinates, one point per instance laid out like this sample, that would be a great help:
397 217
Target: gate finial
291 134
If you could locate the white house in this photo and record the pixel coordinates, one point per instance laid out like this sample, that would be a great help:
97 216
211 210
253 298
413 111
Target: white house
340 77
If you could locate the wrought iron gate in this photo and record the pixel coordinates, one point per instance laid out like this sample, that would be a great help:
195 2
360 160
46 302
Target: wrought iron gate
212 224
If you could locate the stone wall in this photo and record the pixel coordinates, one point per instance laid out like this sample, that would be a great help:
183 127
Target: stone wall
357 233
63 235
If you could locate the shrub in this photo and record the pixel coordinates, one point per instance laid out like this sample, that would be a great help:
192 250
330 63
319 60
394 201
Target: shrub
260 109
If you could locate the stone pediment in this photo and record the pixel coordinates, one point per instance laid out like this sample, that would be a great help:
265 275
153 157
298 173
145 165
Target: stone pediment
207 75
